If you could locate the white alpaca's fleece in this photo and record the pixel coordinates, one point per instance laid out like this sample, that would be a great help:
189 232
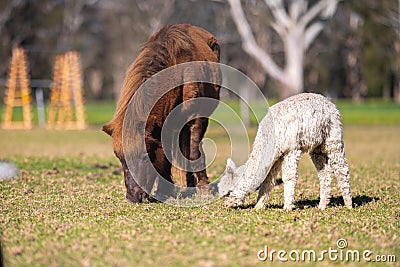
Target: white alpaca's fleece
304 123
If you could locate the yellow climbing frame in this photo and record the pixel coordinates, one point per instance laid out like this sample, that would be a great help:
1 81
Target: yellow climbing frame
17 93
66 109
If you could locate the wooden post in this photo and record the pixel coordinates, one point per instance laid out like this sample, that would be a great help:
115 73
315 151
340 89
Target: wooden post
77 90
66 100
55 91
18 92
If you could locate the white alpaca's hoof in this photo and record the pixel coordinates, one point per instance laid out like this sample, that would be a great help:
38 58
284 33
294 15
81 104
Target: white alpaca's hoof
348 203
259 206
288 208
321 207
233 202
349 206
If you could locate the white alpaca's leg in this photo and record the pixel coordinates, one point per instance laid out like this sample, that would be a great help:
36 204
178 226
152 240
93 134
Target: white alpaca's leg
289 177
267 185
337 161
325 174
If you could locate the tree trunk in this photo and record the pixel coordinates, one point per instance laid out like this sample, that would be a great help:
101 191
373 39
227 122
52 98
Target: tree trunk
396 89
296 27
396 92
293 73
118 77
95 78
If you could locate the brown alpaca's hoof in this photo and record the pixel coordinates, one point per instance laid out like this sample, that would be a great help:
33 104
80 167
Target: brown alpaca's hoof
202 183
203 188
138 196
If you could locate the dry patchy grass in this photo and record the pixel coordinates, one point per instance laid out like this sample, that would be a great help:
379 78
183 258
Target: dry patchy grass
67 208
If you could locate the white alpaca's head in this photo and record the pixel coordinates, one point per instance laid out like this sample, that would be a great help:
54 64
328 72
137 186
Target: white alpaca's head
230 178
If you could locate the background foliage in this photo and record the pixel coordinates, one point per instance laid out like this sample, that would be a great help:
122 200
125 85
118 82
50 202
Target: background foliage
109 35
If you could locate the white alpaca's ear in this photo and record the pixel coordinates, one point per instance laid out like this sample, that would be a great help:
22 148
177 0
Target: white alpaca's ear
230 166
225 184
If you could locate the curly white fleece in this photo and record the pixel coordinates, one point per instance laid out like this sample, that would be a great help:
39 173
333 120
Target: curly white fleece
304 123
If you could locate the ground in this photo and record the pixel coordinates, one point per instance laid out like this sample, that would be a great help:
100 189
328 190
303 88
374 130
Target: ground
67 207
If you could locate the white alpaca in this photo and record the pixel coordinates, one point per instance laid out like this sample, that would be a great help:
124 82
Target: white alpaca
305 123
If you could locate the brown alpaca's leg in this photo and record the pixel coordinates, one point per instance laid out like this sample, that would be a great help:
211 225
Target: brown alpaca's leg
197 130
134 192
165 183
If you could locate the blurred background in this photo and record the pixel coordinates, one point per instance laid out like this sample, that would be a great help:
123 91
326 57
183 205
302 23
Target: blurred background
354 54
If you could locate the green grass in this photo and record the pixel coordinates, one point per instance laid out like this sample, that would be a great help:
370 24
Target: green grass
67 208
370 112
96 113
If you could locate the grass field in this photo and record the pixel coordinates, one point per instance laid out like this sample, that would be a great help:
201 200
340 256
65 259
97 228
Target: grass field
67 207
371 112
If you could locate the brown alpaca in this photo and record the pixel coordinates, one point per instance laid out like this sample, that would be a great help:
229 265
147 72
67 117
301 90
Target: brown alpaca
172 45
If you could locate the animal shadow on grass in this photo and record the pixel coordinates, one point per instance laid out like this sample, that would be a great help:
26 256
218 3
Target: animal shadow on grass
358 201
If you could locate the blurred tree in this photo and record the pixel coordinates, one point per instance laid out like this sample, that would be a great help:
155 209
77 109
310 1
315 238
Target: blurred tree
33 32
349 60
344 61
355 82
395 18
378 54
297 25
108 34
325 64
112 35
